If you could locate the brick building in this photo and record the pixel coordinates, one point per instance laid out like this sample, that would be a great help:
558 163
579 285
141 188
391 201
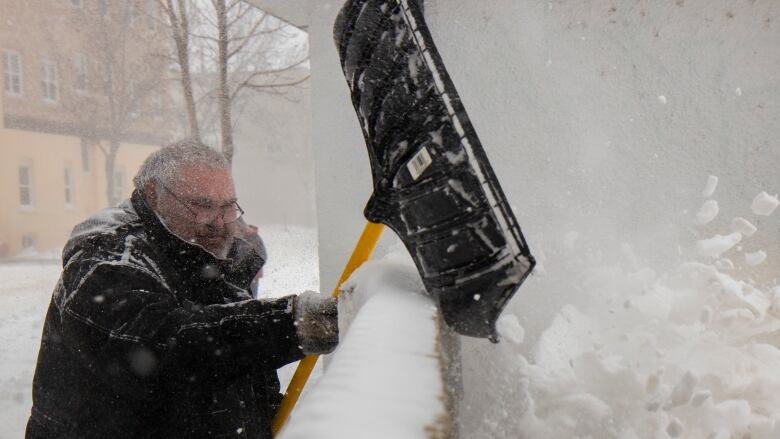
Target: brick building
84 100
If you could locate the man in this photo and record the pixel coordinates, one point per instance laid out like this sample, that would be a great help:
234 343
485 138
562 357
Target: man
151 332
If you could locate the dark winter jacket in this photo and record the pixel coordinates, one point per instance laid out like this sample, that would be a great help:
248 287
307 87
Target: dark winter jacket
148 336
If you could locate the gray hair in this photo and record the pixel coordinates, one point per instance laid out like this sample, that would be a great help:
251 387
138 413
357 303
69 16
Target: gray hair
161 165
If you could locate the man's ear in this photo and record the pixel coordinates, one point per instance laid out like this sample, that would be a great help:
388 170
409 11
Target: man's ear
150 191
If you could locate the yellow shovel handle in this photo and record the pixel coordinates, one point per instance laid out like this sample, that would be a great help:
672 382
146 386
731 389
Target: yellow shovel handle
360 254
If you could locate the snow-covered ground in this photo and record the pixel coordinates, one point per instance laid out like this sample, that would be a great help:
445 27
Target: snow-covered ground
26 285
25 288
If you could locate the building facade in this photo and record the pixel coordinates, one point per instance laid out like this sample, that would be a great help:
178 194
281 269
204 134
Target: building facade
83 102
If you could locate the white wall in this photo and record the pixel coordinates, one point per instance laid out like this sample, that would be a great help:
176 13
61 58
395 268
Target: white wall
566 97
342 172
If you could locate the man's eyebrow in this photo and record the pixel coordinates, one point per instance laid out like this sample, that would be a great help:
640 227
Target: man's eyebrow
209 201
201 200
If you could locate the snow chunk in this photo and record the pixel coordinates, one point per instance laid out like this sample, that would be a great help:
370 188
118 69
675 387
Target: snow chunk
662 99
683 391
717 244
675 428
738 91
509 328
709 188
707 212
743 226
764 204
755 258
724 264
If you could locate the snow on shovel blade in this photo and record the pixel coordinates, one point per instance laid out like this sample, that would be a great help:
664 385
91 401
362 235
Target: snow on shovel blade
433 185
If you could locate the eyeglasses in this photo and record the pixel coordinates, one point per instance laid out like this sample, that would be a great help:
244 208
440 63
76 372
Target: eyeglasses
205 213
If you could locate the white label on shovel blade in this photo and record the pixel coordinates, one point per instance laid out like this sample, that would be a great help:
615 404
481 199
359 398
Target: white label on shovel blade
419 163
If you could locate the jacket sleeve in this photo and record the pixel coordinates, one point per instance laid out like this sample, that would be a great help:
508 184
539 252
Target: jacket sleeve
125 324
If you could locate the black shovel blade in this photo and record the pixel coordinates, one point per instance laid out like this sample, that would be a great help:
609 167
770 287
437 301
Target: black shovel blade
433 184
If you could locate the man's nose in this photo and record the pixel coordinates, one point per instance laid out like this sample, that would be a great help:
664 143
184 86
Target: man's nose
219 220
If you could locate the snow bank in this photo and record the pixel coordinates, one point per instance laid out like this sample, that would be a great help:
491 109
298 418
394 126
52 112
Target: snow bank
691 354
384 380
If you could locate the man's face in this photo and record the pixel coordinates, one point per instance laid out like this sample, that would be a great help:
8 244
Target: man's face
198 193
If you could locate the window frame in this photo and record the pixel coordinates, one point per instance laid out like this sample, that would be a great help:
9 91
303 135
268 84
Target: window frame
29 186
81 72
104 8
151 15
50 84
133 102
28 241
19 74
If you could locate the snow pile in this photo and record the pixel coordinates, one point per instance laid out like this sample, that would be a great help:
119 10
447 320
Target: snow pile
384 379
692 354
689 353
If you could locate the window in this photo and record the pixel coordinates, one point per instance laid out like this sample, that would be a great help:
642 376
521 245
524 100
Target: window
151 15
86 155
103 7
80 69
49 80
107 75
25 185
28 241
12 73
131 14
68 185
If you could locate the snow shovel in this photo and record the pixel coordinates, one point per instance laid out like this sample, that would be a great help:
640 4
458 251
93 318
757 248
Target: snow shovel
433 184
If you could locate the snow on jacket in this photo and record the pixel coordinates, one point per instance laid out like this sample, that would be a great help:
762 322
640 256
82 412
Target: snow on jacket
148 336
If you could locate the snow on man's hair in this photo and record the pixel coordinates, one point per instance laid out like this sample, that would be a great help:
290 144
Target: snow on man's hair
161 165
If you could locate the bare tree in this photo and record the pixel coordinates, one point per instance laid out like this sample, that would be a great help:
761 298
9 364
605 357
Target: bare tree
223 57
124 84
238 49
179 23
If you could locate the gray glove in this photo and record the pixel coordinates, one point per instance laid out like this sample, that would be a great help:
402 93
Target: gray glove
317 322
